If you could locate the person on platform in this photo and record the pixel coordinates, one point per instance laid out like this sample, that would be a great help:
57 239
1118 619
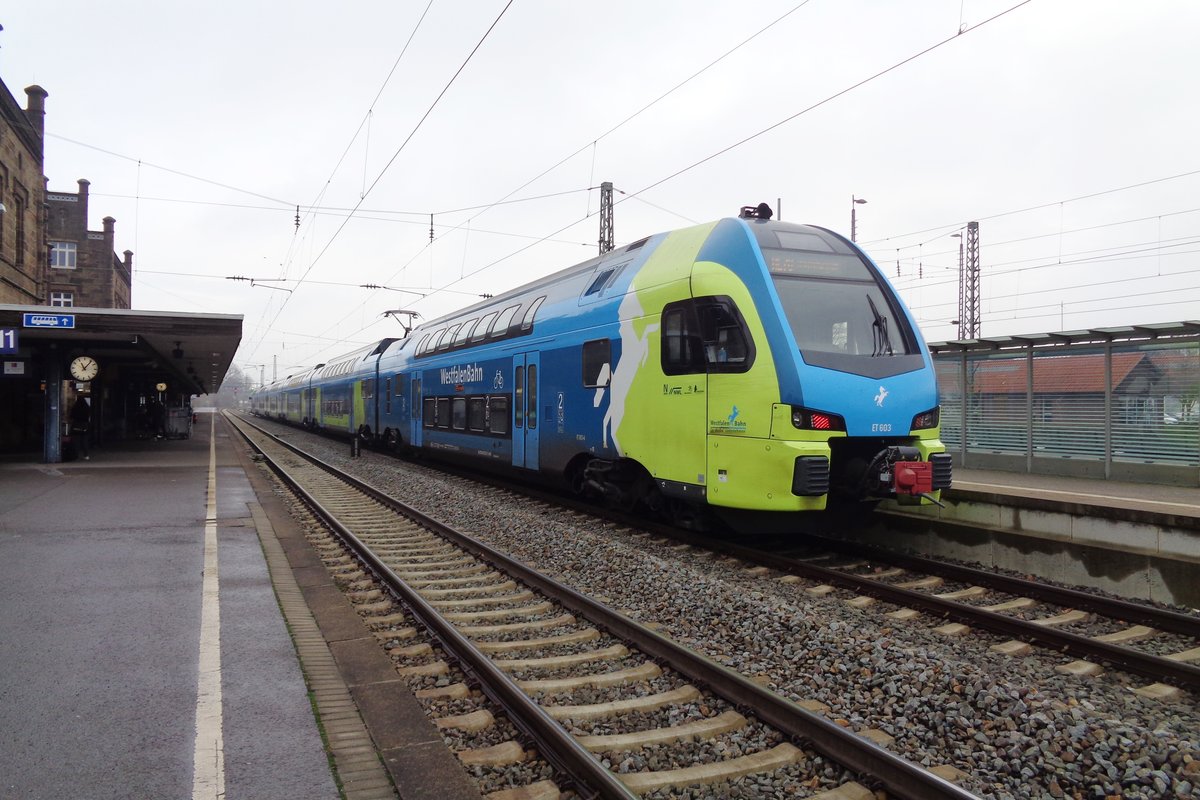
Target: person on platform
158 418
81 418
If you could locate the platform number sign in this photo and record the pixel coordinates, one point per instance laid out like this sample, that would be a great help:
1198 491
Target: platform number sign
8 340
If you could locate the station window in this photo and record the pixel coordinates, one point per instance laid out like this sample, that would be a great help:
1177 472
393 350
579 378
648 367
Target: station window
595 355
62 299
64 255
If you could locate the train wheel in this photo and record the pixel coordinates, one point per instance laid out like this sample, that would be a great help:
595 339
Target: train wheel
576 476
688 516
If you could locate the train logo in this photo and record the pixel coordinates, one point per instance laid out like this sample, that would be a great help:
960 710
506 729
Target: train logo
879 398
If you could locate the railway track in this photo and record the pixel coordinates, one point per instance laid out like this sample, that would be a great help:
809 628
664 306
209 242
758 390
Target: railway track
581 682
1028 611
1157 643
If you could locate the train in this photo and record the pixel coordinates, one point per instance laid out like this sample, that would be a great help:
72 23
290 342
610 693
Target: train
742 365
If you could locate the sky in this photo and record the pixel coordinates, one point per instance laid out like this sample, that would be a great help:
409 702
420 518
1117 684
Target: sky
1067 128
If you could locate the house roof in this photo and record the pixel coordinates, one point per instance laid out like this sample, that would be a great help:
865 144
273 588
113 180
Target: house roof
1067 374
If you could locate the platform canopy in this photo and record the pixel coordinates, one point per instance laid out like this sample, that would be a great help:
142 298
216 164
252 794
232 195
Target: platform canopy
1159 331
192 352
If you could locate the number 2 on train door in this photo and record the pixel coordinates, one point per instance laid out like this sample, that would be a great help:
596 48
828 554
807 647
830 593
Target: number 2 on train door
525 429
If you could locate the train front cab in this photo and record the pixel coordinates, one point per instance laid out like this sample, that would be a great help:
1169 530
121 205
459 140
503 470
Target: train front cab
849 383
781 433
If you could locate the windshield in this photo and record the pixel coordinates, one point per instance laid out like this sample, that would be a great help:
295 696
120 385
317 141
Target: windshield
834 305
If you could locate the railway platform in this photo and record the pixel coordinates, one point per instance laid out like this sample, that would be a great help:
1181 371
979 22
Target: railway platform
146 654
1147 501
1139 540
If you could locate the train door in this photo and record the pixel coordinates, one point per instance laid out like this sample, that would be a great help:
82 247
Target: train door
416 413
526 424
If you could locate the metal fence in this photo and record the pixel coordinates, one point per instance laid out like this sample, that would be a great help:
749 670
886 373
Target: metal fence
1118 403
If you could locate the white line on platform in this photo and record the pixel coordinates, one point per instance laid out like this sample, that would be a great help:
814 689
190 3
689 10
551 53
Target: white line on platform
208 775
1032 492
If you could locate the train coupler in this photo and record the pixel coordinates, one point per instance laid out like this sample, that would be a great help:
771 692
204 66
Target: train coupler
907 474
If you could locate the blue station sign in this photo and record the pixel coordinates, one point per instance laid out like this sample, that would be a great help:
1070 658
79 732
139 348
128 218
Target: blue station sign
49 321
9 342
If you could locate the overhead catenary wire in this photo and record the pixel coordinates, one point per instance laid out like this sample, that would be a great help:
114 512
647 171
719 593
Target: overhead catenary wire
671 176
831 98
634 194
950 227
393 158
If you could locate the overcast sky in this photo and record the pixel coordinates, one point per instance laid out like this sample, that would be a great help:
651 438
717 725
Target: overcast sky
1067 128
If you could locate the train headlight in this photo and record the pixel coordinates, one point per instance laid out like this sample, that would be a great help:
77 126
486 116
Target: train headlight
927 419
807 419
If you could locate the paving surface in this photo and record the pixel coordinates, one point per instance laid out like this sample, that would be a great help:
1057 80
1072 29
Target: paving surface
1181 501
100 587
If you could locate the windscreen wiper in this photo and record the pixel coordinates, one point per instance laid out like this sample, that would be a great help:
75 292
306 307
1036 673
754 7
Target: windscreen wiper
879 329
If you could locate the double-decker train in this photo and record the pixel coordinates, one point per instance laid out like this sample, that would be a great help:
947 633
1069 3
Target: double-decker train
741 365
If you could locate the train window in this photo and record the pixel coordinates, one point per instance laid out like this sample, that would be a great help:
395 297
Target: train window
399 384
519 397
527 320
505 318
597 362
682 349
598 282
531 412
477 414
421 346
497 415
447 338
368 389
458 413
483 327
443 412
605 278
430 412
464 332
728 346
802 240
436 340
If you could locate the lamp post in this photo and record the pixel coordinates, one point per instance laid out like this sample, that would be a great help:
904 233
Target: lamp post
854 201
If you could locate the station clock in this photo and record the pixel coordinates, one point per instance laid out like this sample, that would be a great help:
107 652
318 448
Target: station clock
84 368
